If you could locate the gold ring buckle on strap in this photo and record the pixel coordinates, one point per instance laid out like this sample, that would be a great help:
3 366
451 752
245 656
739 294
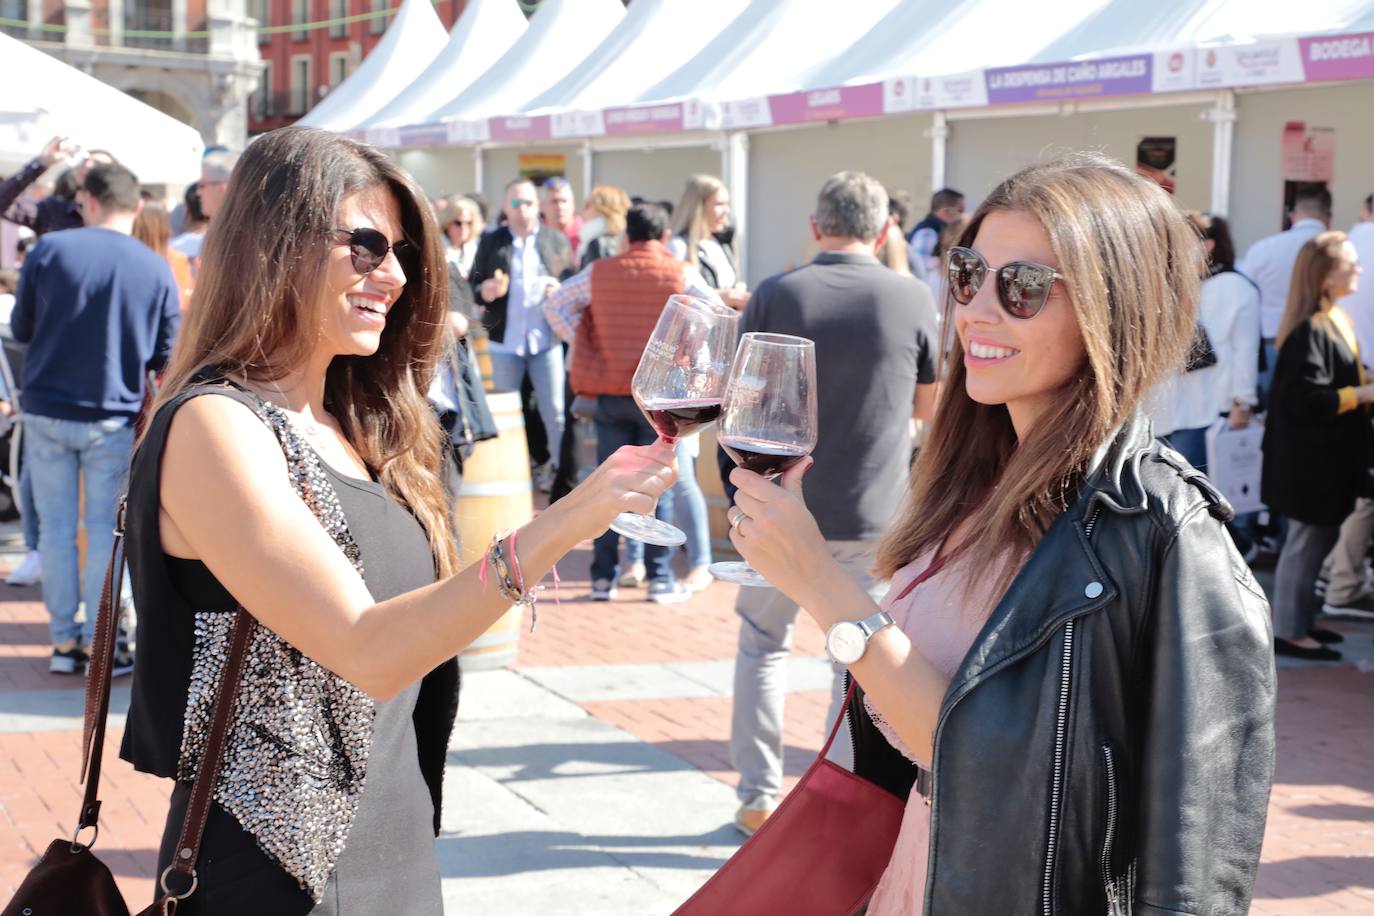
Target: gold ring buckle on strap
162 882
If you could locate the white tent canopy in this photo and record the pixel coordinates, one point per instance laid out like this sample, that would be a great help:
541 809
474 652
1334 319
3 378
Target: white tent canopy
414 39
767 49
44 97
653 39
484 32
1126 26
559 37
921 37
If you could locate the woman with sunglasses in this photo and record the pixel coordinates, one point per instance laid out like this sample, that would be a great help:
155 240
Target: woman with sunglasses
293 468
1071 679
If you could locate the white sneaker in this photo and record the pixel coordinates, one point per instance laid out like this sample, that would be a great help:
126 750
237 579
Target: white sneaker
29 572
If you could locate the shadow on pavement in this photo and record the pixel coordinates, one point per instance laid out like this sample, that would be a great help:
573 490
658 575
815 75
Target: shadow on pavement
491 856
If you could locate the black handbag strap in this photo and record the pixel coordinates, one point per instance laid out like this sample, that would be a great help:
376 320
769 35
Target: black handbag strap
98 707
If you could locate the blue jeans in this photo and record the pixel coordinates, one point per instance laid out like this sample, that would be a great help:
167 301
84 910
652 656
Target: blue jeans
690 504
549 380
1191 444
619 423
27 514
60 453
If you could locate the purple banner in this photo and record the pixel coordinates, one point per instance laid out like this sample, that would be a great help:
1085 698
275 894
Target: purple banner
506 130
1338 57
424 135
1073 80
828 104
644 120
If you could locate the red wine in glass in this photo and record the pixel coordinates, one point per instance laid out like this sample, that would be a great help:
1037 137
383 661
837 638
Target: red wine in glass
679 385
761 456
673 419
768 416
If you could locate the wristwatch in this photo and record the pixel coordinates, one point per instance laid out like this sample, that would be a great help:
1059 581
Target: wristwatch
847 641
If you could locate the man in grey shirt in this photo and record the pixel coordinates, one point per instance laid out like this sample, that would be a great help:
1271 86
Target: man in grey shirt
876 352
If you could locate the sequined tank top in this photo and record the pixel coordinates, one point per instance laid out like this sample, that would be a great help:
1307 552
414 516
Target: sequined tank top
302 770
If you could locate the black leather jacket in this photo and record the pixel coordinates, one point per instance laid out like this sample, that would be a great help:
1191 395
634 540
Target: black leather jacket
1107 744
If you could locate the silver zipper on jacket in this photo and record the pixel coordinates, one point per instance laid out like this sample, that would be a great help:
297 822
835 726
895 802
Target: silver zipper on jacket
1060 737
1108 881
1057 786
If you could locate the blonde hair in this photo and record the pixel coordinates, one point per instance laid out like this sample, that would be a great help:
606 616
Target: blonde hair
1307 290
1132 266
689 218
892 252
612 203
153 227
259 305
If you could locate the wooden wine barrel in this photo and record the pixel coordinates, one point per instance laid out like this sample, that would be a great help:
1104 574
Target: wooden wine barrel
708 476
496 494
481 348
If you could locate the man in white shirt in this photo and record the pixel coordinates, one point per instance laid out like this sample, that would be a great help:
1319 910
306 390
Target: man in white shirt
1269 262
1359 305
514 269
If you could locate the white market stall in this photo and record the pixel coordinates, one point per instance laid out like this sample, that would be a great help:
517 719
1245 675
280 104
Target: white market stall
414 38
44 97
925 94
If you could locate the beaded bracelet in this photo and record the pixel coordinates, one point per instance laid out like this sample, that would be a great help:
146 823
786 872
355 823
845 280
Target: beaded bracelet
509 580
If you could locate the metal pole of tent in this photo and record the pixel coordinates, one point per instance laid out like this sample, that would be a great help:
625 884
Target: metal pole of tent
479 169
1223 118
938 132
735 166
588 166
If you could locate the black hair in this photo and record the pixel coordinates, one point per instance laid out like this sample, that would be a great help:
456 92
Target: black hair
66 186
114 186
667 206
945 197
480 200
1223 256
1313 198
195 212
645 223
899 206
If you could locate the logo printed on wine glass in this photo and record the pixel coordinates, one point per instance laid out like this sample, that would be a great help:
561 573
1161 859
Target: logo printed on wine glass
745 391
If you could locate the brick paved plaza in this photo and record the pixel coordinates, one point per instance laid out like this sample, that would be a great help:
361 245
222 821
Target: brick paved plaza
593 777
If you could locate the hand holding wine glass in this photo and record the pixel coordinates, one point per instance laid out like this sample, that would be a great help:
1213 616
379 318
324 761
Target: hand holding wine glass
678 385
768 421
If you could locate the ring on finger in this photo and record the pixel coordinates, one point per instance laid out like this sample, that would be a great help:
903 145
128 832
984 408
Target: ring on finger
737 517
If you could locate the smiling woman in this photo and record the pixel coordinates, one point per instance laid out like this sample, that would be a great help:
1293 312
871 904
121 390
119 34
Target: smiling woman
289 483
1071 680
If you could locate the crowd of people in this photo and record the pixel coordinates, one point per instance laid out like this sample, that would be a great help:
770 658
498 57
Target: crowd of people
1047 530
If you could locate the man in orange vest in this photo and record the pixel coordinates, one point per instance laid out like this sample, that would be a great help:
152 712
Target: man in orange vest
608 312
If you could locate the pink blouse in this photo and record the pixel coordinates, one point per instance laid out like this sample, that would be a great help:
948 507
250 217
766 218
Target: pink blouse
942 620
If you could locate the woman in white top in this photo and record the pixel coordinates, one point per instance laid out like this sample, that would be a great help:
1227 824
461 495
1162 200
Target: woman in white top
1229 314
701 215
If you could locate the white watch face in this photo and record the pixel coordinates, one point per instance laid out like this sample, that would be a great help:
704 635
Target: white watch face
846 643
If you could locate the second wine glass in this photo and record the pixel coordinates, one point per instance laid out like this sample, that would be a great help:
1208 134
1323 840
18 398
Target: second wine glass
679 384
768 419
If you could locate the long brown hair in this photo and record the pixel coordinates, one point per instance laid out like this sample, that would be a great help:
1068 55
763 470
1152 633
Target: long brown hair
152 226
1307 290
689 219
259 300
1132 264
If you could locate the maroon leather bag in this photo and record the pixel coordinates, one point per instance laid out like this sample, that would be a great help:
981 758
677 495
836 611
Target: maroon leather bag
69 879
822 852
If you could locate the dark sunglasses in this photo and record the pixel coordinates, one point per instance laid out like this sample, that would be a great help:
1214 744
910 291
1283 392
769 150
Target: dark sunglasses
368 247
1023 287
518 202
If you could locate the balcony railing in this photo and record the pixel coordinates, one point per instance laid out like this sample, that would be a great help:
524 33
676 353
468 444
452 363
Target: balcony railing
139 22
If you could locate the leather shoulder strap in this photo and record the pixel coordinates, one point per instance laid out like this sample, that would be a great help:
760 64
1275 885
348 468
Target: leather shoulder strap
98 707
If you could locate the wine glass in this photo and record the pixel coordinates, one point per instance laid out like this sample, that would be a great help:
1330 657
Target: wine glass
678 385
768 419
